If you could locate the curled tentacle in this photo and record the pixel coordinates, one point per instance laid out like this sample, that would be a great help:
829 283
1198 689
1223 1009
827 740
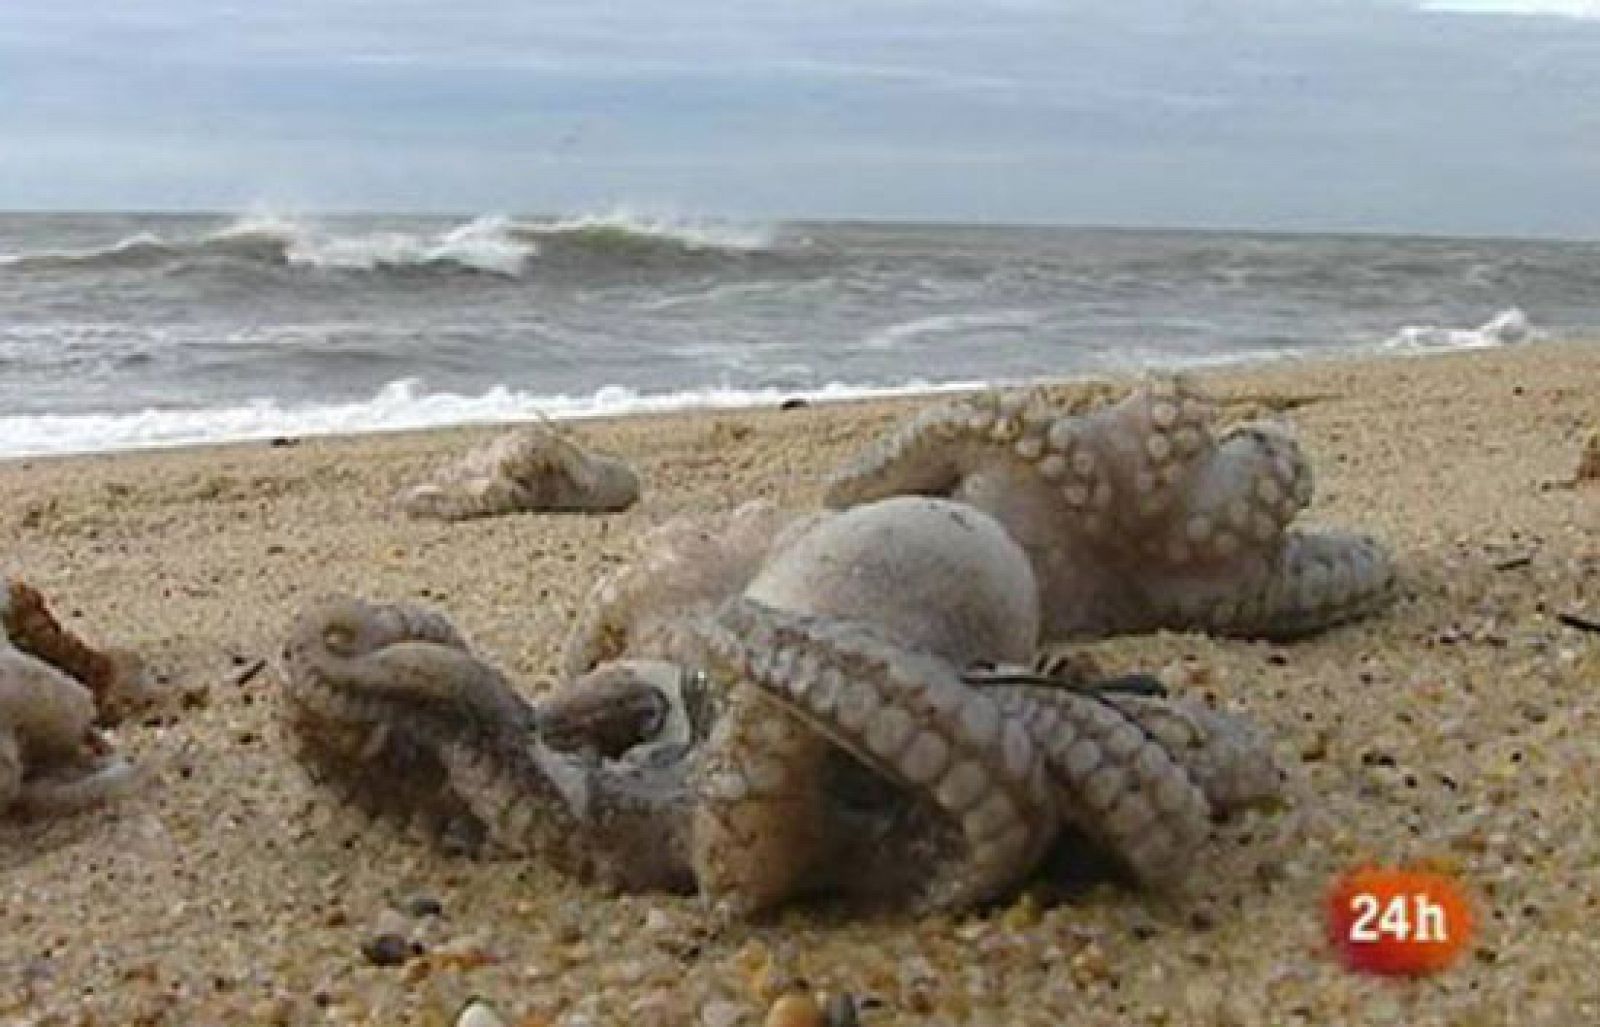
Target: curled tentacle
534 468
607 712
909 717
1119 783
1022 433
1228 757
929 455
387 702
636 708
374 697
1314 581
761 823
1110 467
1210 762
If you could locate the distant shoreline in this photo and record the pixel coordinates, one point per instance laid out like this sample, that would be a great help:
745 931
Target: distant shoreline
677 406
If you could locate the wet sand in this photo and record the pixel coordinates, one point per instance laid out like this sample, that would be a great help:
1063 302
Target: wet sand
1461 727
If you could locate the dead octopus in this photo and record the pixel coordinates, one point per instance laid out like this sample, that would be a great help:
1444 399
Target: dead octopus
531 469
760 710
53 691
1137 514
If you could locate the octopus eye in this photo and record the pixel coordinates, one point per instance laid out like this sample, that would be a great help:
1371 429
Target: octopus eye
338 638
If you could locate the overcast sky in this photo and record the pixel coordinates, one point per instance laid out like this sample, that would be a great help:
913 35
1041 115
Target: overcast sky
1464 116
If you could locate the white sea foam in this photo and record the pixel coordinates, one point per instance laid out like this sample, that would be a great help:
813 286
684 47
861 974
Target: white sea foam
1507 328
483 244
398 406
689 232
896 335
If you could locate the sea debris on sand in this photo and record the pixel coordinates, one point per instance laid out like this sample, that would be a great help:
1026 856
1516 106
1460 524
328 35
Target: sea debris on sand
52 757
117 678
535 468
1589 461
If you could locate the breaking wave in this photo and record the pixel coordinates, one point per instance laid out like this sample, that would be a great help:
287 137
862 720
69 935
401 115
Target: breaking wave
1507 328
490 244
628 229
399 406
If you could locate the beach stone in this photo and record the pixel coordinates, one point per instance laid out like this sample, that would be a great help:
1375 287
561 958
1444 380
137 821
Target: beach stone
795 1009
479 1013
421 905
387 949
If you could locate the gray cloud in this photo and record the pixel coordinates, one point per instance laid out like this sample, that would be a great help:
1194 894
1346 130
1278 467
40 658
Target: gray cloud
1351 114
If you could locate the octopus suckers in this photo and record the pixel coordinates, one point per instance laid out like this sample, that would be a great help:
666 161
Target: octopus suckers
962 787
925 759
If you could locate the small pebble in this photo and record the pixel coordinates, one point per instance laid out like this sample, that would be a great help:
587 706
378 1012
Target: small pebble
478 1013
795 1009
387 950
421 906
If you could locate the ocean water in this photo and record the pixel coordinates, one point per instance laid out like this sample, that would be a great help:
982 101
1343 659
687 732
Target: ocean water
121 331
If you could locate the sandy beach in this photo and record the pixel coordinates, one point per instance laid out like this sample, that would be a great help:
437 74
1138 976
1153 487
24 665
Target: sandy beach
1461 727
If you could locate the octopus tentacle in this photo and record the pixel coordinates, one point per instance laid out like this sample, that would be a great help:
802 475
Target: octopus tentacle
620 825
641 709
926 456
1119 783
1314 581
1226 756
51 759
909 717
366 722
76 789
1137 515
388 701
1147 446
1140 446
1242 496
607 712
534 468
760 823
940 446
689 564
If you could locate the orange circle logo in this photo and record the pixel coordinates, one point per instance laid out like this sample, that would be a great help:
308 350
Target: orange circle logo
1398 922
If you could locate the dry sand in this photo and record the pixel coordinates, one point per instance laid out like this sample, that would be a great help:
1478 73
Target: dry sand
1462 726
